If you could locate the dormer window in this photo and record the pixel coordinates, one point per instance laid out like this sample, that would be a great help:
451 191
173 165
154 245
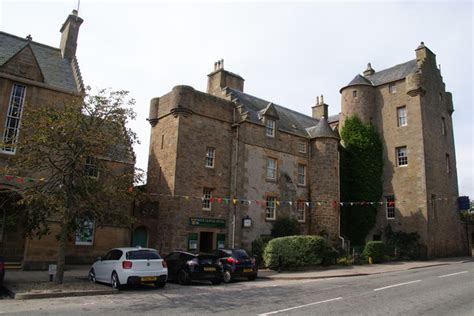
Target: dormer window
270 128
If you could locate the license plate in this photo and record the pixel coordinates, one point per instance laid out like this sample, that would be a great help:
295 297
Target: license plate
209 269
248 270
147 279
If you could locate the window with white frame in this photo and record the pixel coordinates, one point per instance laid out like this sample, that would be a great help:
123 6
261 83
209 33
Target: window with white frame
301 174
206 199
302 147
270 210
390 206
402 156
300 211
210 155
12 123
90 168
270 128
392 88
85 232
271 168
443 126
402 116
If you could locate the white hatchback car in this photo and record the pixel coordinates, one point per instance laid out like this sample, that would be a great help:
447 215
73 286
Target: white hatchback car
135 265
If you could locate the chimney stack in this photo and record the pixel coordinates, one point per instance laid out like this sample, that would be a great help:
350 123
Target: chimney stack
320 109
70 32
369 71
220 79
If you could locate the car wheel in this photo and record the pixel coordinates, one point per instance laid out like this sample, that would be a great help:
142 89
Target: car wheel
183 277
160 285
227 277
92 278
252 278
216 281
115 281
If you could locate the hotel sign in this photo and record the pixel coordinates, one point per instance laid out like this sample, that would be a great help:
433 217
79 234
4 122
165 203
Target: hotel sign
207 222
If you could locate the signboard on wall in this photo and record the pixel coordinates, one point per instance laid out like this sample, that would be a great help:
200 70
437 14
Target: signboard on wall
207 222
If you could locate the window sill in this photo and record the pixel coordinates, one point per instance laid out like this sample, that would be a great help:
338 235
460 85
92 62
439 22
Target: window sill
390 218
301 185
206 209
270 219
271 180
402 166
209 167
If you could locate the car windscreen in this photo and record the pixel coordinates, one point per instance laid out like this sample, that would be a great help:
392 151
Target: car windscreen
241 254
142 255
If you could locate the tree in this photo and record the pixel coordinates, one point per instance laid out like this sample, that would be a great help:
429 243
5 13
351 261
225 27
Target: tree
82 150
285 226
361 177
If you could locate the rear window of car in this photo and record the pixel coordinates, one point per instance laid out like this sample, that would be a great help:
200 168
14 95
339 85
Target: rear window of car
241 254
142 255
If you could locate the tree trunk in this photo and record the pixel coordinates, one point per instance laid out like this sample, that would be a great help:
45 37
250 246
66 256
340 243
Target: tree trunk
61 252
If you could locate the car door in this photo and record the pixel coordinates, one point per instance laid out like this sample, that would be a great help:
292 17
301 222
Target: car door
99 267
111 264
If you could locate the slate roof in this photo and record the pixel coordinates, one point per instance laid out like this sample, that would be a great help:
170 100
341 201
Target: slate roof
322 130
57 71
391 74
289 120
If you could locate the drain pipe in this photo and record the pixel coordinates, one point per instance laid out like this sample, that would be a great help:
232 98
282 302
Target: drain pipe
236 157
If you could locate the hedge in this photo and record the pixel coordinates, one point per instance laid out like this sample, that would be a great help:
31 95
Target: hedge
376 250
294 251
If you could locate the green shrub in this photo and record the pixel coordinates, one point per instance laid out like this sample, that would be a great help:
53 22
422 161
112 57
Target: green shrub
330 256
376 250
258 245
294 251
404 245
285 226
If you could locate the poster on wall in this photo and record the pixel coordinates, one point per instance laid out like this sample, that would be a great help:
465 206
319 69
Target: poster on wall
85 233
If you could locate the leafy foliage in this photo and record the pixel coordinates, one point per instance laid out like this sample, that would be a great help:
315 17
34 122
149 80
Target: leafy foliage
258 246
285 226
376 250
404 245
361 177
294 251
58 143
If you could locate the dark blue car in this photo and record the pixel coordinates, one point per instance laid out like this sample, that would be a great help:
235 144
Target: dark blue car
237 264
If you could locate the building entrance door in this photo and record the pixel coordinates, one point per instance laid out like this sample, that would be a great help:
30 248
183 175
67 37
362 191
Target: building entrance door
205 241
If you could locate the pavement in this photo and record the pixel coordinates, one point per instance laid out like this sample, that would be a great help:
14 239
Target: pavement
17 281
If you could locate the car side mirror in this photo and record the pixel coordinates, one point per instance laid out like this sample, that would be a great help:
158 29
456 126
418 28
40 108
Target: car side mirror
98 259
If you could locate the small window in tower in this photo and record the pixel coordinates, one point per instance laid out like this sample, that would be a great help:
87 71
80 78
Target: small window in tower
448 164
402 156
390 206
301 174
392 88
206 199
402 116
443 126
441 96
354 94
210 156
433 205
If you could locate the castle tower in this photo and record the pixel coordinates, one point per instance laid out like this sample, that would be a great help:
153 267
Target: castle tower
411 110
358 98
324 181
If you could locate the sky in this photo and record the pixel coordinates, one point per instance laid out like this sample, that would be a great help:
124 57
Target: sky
287 52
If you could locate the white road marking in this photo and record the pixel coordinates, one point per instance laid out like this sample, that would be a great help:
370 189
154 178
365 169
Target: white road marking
395 285
300 306
446 275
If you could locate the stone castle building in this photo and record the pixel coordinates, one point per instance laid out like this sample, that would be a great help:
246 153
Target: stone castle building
33 74
411 109
225 164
